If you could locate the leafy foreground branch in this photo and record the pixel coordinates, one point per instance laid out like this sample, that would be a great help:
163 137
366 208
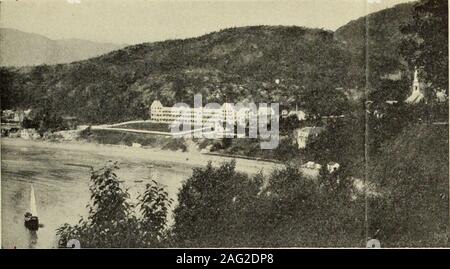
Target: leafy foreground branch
112 220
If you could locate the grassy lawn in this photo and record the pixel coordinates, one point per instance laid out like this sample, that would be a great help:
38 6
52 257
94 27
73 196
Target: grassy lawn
147 126
127 138
150 126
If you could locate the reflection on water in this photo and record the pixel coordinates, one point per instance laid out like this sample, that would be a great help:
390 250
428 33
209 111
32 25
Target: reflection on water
61 190
32 239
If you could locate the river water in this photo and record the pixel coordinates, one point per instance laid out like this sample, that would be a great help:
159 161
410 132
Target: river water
60 178
60 173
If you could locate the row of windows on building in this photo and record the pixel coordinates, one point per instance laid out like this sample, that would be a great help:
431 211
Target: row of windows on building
226 112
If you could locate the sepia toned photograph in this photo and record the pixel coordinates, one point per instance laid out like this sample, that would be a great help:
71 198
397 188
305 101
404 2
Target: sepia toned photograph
224 124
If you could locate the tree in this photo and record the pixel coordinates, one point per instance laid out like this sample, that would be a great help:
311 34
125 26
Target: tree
390 90
289 124
341 142
213 208
324 101
112 221
154 206
300 211
8 95
427 44
44 119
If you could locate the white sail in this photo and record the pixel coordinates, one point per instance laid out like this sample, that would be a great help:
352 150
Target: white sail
33 208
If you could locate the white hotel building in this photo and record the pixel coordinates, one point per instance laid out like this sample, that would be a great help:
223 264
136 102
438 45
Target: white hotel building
206 116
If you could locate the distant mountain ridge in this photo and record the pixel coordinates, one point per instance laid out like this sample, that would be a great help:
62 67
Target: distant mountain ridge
19 48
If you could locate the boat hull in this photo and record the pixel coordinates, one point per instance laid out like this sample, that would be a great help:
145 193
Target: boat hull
32 223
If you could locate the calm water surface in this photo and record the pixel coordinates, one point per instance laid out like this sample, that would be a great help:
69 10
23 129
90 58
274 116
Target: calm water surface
62 186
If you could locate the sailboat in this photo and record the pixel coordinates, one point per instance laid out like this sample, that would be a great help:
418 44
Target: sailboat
31 221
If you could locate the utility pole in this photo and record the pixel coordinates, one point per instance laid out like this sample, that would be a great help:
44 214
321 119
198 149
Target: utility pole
366 132
366 168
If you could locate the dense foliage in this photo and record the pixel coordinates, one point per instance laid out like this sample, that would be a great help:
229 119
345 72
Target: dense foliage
219 207
426 42
113 220
43 120
342 142
411 173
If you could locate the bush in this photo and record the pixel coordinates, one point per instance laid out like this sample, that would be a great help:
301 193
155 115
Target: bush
300 212
212 208
219 207
112 222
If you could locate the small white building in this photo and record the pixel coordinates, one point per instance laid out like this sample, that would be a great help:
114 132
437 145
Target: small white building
313 165
441 96
332 167
303 136
417 94
301 115
311 170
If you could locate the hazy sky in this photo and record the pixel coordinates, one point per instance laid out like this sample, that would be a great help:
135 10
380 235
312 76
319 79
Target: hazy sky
137 21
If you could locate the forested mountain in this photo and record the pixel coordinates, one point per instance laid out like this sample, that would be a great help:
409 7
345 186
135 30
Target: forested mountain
378 36
236 64
22 49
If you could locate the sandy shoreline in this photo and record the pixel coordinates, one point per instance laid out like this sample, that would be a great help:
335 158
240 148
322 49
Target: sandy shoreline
175 158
